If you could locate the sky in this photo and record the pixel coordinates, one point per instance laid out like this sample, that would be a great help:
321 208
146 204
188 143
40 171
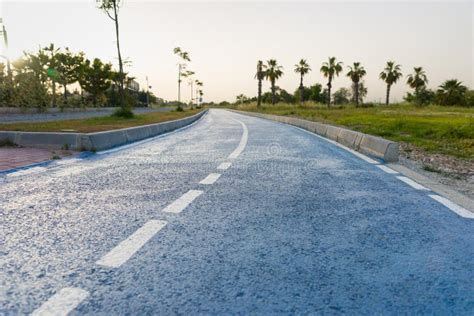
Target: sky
225 39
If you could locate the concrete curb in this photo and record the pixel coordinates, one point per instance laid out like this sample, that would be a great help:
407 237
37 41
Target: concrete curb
367 144
95 141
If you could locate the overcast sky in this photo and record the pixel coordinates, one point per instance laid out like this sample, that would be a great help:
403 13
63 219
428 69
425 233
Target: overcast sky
225 39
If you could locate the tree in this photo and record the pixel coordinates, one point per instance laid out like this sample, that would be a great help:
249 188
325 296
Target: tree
95 78
111 8
188 74
184 57
356 73
391 74
302 68
331 69
273 72
342 96
241 98
68 67
452 92
260 75
361 92
52 69
417 80
199 94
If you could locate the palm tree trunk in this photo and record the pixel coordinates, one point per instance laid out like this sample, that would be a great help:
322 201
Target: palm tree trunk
259 98
117 34
356 93
65 94
387 98
179 86
273 91
301 89
329 93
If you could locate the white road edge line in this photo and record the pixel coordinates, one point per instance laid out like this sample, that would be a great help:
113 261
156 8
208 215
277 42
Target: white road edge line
211 178
243 141
412 183
127 248
452 206
24 172
352 151
387 169
224 166
180 204
62 303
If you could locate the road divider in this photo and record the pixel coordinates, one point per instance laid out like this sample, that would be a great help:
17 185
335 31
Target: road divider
95 141
366 144
127 248
62 303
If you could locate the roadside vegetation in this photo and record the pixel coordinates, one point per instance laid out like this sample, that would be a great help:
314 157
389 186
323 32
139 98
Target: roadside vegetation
98 124
435 129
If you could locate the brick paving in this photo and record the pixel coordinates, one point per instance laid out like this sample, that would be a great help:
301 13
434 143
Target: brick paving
14 157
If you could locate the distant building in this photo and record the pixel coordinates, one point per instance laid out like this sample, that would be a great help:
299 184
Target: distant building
132 86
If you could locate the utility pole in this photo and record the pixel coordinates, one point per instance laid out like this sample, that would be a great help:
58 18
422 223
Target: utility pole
147 93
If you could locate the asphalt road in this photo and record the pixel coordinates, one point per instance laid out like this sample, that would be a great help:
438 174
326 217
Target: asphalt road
293 225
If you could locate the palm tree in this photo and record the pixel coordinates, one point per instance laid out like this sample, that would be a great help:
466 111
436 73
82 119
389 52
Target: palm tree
260 75
418 79
356 73
188 74
199 84
302 68
273 73
330 69
452 92
184 56
391 74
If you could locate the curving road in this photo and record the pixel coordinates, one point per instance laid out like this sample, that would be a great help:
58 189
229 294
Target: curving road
232 215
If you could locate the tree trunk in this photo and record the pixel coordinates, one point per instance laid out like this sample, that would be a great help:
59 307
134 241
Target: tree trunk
179 86
301 89
329 92
121 88
388 95
273 91
54 94
65 94
259 97
356 92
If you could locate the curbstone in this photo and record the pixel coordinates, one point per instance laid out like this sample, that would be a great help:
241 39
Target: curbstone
367 144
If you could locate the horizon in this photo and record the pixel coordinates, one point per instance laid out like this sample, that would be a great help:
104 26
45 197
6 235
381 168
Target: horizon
362 32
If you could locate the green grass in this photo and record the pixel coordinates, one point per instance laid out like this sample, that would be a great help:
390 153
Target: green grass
97 124
436 129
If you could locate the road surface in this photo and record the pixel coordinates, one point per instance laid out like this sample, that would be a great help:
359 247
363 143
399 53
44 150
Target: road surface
232 215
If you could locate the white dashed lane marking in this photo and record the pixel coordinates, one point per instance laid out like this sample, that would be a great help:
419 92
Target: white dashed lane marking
224 166
412 183
452 206
180 204
62 303
127 248
210 179
387 169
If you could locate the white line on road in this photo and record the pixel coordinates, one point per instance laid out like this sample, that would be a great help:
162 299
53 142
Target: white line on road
243 141
211 178
62 302
387 169
127 248
180 204
412 183
224 166
452 206
24 172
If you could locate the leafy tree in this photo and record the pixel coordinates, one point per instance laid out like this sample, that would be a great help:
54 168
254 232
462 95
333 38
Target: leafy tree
111 8
241 99
452 92
96 78
422 96
260 75
316 93
391 74
184 57
356 73
417 80
331 69
273 72
69 68
342 96
302 68
52 71
469 98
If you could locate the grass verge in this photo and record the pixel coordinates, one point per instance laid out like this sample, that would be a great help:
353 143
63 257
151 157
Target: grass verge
435 129
97 124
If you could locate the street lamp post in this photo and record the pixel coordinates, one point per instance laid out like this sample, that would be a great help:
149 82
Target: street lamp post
147 93
3 32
